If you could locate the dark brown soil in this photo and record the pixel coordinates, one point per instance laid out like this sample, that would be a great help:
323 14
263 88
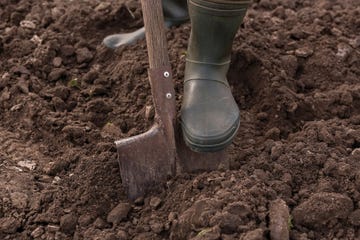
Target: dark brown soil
64 99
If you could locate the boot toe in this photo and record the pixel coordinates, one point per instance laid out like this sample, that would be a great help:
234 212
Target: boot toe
210 119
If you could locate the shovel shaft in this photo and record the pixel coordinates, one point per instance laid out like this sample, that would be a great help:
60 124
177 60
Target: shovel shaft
160 77
155 33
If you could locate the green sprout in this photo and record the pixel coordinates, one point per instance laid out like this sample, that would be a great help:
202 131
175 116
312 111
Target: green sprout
290 222
74 83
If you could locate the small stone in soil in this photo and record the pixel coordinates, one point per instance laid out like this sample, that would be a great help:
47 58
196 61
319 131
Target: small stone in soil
57 62
100 223
83 55
67 50
68 223
304 52
155 202
27 24
119 213
52 228
343 51
37 232
85 220
56 74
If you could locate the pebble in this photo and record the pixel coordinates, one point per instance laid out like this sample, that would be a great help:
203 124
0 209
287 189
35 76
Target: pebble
103 6
111 131
16 107
100 223
59 104
36 39
30 165
68 223
83 55
172 216
279 220
27 24
304 52
119 213
139 201
343 51
321 208
155 202
52 228
56 74
67 50
85 220
37 232
57 61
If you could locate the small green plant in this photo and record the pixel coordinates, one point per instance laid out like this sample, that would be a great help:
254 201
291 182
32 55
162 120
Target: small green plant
74 83
290 222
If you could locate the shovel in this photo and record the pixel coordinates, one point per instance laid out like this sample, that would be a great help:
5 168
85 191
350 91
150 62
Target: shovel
147 160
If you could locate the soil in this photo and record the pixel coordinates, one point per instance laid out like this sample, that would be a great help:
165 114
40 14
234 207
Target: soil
65 98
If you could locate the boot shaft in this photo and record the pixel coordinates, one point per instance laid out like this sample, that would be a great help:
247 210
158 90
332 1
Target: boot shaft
175 11
214 24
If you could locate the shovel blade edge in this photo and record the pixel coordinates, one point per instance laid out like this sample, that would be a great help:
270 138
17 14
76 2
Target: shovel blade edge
146 161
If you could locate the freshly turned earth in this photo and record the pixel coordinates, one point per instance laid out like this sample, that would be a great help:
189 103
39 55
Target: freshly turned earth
64 99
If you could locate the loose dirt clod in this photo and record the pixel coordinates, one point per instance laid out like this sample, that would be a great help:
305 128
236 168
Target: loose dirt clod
321 208
68 223
280 221
119 213
155 202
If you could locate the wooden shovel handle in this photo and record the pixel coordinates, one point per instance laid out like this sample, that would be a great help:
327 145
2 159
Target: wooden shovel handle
155 33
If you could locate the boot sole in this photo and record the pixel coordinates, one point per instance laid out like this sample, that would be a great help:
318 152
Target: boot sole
196 147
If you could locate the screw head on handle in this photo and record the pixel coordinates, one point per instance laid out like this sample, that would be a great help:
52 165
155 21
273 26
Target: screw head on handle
166 74
168 95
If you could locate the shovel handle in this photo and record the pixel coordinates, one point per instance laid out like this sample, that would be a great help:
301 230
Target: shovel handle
155 33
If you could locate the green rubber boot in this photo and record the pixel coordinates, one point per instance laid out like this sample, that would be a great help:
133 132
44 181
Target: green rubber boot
210 116
175 11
